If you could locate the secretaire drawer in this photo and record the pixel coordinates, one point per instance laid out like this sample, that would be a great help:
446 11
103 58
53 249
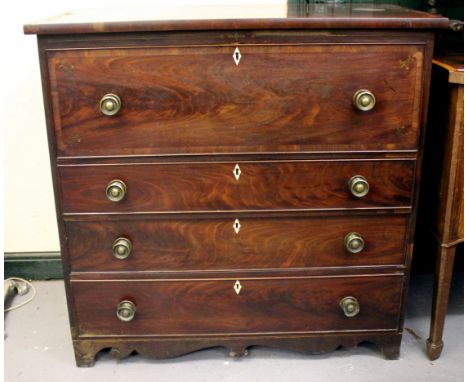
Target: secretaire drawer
228 306
207 243
231 186
172 100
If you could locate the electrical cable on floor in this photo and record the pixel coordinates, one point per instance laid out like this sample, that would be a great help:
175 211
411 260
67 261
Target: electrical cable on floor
31 288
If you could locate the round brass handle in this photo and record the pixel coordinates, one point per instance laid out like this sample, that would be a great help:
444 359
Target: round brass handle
350 306
122 248
354 242
116 190
126 311
358 186
110 104
364 100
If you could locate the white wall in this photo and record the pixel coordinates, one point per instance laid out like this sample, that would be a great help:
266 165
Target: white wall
29 218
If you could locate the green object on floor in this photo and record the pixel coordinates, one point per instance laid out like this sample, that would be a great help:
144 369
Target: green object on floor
33 266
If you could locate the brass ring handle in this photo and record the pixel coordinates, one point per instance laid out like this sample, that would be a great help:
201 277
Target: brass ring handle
121 248
354 242
358 186
126 311
116 190
350 306
110 104
364 100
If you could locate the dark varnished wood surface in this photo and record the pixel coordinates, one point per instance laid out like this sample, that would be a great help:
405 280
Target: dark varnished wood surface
196 307
196 100
454 64
297 15
398 179
232 37
447 141
237 346
212 244
241 273
442 205
212 187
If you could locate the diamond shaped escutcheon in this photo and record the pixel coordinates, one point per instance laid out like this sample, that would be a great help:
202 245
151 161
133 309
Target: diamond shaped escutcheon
237 56
237 286
237 172
236 226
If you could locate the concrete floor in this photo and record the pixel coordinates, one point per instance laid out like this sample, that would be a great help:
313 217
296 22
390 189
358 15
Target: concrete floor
38 348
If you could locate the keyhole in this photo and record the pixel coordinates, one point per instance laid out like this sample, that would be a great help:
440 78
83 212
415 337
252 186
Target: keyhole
237 226
237 56
237 172
237 286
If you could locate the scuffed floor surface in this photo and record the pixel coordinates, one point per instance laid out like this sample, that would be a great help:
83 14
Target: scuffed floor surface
38 348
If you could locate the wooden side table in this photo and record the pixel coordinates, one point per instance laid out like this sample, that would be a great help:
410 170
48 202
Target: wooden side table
442 203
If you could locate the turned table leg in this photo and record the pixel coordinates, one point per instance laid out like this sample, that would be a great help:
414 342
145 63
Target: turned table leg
442 282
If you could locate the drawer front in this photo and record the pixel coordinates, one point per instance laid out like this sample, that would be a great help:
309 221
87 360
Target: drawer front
197 100
286 185
213 244
191 307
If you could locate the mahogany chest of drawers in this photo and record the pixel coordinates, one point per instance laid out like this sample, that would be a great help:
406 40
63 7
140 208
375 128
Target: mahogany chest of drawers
228 180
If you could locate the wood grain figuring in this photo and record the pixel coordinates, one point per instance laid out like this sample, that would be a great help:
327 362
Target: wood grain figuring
188 116
212 244
295 15
197 307
196 100
213 187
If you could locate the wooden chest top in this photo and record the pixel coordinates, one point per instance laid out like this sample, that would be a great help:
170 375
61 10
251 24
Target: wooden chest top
237 17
